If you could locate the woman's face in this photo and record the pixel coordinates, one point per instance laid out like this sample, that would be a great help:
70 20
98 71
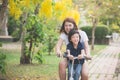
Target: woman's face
75 39
68 26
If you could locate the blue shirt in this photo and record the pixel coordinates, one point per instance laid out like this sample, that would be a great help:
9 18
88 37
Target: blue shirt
76 52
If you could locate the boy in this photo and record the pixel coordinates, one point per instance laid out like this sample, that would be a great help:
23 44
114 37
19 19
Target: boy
75 49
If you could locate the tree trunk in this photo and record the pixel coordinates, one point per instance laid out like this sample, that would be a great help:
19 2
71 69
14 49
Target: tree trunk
49 45
30 49
25 58
94 21
3 18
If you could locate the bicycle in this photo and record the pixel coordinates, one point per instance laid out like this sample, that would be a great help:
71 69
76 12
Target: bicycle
71 75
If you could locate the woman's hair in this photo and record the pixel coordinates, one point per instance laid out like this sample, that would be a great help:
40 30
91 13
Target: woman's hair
71 20
72 32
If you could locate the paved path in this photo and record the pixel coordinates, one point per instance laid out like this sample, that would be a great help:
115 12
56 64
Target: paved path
103 65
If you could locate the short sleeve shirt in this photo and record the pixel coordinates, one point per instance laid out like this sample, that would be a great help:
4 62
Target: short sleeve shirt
83 35
76 52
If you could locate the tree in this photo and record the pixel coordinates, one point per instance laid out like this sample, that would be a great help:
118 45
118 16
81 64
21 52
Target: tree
112 15
3 18
94 10
34 14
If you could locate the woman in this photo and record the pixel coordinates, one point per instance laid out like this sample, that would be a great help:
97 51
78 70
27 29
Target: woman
67 25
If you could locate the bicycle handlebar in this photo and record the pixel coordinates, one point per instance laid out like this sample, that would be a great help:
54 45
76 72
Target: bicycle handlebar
65 56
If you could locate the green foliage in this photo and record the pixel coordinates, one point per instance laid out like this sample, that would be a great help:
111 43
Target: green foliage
34 30
50 42
51 35
2 63
100 32
34 34
88 30
112 13
0 44
14 27
39 57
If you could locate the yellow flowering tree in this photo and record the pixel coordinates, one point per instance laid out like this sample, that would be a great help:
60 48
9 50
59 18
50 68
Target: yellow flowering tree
47 13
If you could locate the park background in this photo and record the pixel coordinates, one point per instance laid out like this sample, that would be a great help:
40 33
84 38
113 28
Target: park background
29 30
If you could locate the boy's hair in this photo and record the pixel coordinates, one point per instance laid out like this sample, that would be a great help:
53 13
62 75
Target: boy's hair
72 32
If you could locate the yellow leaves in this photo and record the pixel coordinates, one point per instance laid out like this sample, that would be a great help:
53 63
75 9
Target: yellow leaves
15 7
25 3
35 1
90 12
14 10
46 8
64 9
63 5
107 3
72 14
114 26
68 2
18 13
59 6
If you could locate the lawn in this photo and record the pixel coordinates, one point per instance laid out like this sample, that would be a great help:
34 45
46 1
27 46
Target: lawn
35 71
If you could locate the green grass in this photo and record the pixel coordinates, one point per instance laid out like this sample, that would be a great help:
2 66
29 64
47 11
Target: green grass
97 48
15 70
46 71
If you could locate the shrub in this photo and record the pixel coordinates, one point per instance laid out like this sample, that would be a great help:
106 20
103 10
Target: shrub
100 32
2 63
88 30
39 57
14 27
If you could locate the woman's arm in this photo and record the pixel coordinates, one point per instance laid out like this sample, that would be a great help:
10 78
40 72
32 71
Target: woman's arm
58 47
68 52
86 47
87 50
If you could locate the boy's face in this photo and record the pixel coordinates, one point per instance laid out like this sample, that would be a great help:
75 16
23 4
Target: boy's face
75 39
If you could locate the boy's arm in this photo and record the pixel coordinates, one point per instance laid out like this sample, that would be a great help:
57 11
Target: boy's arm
81 56
69 55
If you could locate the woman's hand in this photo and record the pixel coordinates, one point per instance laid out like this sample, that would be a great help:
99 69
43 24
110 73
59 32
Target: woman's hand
58 53
88 57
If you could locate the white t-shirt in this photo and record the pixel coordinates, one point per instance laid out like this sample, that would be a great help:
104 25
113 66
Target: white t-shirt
83 35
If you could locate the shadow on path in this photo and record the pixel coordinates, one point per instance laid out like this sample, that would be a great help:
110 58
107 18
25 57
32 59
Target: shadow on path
103 66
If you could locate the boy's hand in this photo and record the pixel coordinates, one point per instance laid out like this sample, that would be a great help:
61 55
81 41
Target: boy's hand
70 57
80 56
